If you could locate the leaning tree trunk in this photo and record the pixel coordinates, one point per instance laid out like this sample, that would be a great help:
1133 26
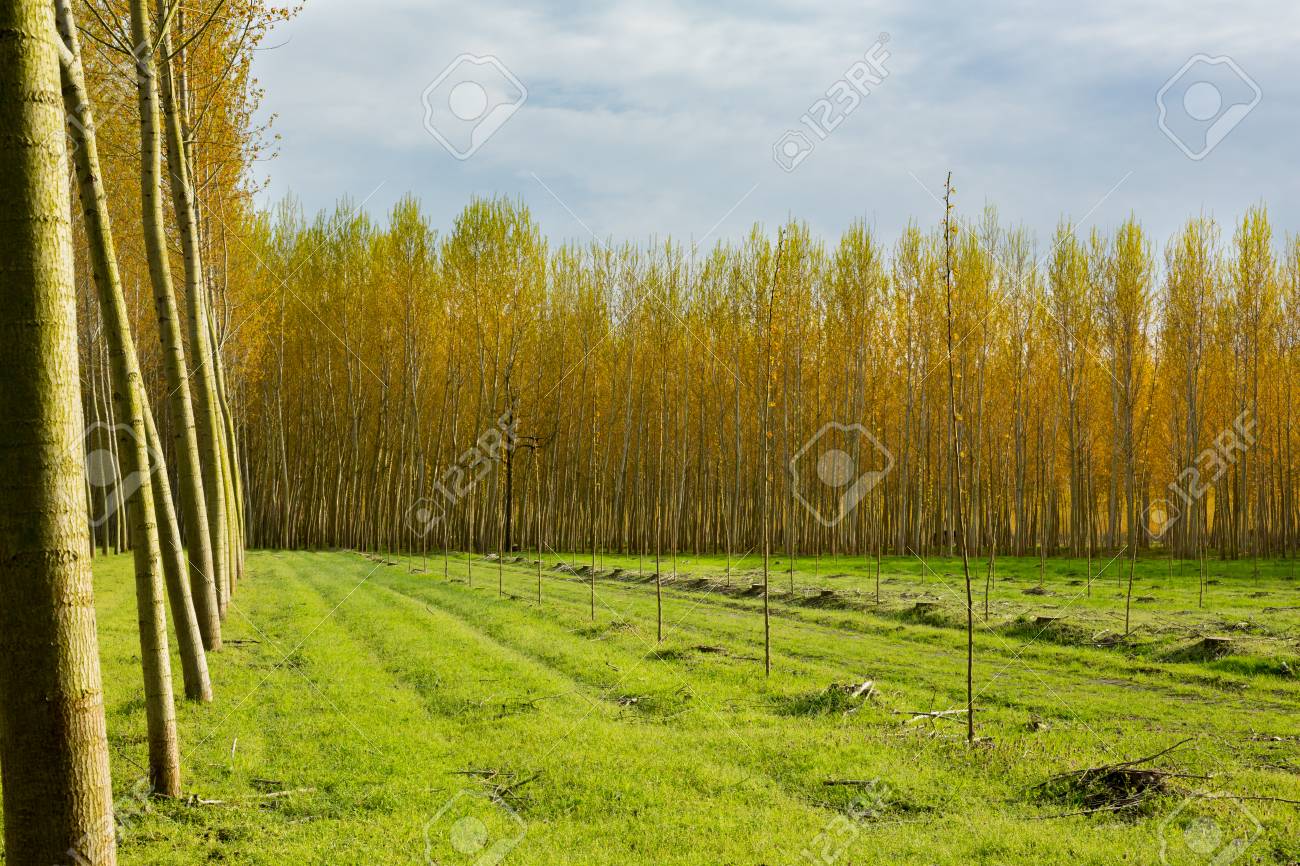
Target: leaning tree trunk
209 429
198 686
230 461
202 574
128 402
53 740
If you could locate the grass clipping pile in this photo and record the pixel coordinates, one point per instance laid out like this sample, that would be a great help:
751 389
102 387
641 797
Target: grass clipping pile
1125 787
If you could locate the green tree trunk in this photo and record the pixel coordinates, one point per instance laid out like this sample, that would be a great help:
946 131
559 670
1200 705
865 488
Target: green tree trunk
208 427
160 709
128 400
53 741
195 514
178 589
234 481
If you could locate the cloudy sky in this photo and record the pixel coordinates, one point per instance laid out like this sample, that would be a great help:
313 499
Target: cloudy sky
633 119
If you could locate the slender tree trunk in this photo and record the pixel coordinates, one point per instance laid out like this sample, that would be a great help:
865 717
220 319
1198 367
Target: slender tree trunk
202 575
208 426
129 402
766 485
189 636
953 417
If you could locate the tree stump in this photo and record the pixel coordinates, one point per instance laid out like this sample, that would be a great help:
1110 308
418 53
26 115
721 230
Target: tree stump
1217 644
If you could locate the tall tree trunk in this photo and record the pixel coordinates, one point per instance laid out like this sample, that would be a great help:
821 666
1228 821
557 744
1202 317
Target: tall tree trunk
194 662
128 400
954 417
53 740
207 421
202 575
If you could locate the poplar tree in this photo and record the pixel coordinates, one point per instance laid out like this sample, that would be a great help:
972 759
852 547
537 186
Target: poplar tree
129 403
53 741
206 591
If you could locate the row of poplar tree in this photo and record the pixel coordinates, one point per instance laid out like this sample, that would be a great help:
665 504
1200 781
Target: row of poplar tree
1109 393
268 380
116 421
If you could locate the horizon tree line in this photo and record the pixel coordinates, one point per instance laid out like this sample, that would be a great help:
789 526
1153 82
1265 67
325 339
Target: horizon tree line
1093 385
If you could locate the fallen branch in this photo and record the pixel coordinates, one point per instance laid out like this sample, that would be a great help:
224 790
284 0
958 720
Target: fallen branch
196 800
509 786
1261 799
271 795
866 690
917 715
1122 806
1150 758
1113 787
1081 812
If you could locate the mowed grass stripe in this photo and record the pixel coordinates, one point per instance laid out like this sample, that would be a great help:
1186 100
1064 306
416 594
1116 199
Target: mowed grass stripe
835 648
1041 658
798 752
591 745
414 678
1108 706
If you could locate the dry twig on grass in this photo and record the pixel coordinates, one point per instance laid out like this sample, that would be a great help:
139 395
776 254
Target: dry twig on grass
1118 787
505 791
196 800
932 715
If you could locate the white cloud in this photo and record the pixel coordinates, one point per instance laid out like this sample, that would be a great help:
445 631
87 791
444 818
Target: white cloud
657 117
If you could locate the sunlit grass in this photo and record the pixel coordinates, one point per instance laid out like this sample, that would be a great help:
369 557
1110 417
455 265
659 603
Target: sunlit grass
368 714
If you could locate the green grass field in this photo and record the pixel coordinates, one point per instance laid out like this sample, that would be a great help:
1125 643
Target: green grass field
368 714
